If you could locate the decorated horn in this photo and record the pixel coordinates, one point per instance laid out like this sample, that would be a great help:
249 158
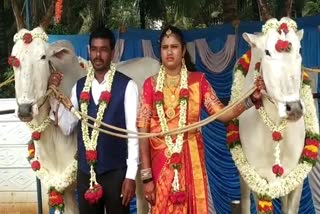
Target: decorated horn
46 18
17 15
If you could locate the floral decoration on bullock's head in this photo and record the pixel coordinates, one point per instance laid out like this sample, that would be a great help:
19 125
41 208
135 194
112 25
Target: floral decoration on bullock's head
13 61
283 46
285 24
28 36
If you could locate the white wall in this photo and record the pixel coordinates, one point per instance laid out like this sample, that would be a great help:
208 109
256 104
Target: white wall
17 180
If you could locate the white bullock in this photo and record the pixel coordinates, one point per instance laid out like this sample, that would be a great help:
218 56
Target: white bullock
273 138
53 160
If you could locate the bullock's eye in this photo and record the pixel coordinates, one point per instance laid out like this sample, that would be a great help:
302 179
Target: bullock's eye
43 57
267 52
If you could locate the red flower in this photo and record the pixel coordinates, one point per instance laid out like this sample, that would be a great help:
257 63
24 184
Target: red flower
184 93
276 136
55 198
232 127
91 156
244 65
257 66
312 142
277 170
177 197
105 96
282 45
27 38
233 137
35 165
93 195
284 28
31 151
158 97
175 158
309 154
84 96
13 61
36 135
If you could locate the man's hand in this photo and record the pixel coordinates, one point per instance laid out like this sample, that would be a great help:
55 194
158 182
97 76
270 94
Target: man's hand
55 79
256 96
128 191
149 192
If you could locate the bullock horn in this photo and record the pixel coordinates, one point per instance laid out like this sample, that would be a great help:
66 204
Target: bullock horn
46 19
17 15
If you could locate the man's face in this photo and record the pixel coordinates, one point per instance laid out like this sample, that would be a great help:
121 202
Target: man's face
100 54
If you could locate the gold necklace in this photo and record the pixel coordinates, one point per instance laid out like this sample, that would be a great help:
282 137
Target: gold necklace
171 95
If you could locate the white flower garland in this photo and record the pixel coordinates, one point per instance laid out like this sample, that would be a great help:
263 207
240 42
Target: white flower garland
91 144
282 185
173 147
40 35
59 182
275 24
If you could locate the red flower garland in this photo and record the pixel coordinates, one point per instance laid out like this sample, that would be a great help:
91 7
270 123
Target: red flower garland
276 136
27 38
244 62
265 206
283 46
105 96
277 170
158 97
56 200
31 150
35 165
91 156
93 195
85 97
36 135
184 93
13 61
283 27
233 136
177 197
175 161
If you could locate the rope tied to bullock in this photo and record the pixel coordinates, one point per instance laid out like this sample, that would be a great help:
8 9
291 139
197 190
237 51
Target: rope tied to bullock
132 134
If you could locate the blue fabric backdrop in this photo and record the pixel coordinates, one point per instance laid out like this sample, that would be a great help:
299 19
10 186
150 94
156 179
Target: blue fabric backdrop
223 175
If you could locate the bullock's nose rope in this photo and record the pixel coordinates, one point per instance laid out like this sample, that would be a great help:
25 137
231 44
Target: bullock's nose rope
131 134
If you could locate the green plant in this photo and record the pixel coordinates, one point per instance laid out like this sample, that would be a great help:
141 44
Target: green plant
7 90
311 8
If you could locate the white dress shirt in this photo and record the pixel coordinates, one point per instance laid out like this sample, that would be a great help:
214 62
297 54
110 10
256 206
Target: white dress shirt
67 121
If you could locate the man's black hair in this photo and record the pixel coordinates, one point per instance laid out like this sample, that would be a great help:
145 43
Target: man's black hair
103 33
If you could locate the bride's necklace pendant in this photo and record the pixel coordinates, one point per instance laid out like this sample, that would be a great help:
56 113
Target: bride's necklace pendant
170 113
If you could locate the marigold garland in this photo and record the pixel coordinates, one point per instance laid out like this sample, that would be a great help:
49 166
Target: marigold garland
58 11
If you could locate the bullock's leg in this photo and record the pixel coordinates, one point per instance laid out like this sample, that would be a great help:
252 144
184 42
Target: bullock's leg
245 197
291 206
70 201
142 204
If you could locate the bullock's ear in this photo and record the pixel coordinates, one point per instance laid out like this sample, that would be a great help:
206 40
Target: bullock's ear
62 52
250 38
300 34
